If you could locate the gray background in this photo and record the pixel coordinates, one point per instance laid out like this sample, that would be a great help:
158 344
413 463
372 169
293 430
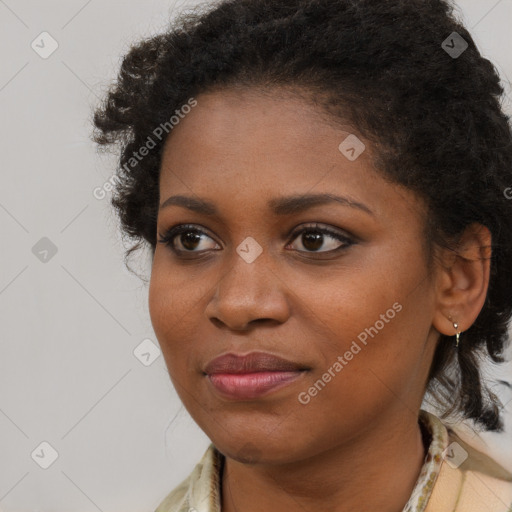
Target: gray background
71 321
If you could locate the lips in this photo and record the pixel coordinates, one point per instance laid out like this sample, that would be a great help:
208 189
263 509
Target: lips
251 363
251 376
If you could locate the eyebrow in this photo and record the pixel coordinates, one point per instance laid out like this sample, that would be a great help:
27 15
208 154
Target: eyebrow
279 206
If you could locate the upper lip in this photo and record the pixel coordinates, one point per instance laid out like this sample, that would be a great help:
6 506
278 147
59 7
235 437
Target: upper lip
252 362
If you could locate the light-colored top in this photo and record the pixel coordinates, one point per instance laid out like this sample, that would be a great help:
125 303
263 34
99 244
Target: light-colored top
454 478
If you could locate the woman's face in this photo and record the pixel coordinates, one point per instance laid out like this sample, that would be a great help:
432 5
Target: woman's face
353 306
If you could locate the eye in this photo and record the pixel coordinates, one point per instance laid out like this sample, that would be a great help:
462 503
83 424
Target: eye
314 237
188 236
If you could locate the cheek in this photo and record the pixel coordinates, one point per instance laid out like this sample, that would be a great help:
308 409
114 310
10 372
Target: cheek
351 304
376 319
170 297
368 369
167 308
175 302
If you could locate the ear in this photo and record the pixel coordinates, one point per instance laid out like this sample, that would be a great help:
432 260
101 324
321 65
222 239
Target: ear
462 280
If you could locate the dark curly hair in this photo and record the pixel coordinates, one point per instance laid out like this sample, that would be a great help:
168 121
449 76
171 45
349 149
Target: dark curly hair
434 117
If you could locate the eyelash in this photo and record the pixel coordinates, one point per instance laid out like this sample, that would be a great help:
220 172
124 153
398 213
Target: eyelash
169 236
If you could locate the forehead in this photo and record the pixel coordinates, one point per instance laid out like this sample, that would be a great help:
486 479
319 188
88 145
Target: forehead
244 145
232 114
246 130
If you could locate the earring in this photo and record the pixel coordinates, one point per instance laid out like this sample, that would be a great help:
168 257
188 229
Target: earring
457 335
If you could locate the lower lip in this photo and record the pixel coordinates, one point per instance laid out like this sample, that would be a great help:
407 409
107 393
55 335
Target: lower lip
251 385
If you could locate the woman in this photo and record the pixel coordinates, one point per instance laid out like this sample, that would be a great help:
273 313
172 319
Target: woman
323 187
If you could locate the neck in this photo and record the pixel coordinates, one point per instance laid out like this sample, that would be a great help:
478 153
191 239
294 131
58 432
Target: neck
376 470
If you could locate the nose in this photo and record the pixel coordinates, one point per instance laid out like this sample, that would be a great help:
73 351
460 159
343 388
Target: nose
249 293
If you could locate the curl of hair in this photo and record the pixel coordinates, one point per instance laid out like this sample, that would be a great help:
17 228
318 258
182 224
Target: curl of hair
436 123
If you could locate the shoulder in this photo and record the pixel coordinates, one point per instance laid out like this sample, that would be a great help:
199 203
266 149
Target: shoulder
199 492
175 501
470 481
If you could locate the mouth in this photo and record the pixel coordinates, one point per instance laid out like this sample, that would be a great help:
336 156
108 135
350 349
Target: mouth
251 385
251 376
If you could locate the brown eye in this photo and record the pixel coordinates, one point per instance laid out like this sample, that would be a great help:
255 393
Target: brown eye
186 238
313 238
189 237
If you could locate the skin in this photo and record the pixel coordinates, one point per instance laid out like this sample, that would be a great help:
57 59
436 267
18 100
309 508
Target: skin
239 149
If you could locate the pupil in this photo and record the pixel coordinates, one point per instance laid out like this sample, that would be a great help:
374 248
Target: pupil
314 241
190 238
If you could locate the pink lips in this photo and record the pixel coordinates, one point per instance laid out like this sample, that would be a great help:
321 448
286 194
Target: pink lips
251 376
